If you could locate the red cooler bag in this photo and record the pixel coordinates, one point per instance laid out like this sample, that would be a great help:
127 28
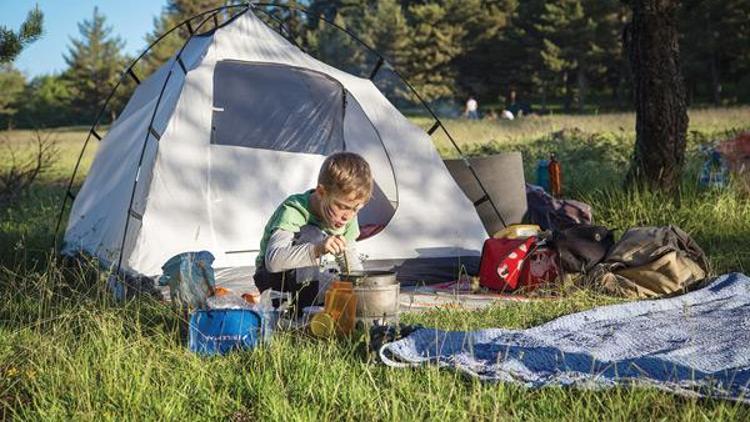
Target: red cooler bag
502 262
541 267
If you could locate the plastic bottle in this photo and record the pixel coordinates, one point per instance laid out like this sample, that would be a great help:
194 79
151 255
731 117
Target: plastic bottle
555 177
542 174
342 306
340 311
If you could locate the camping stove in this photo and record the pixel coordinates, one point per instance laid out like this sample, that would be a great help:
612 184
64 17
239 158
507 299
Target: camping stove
377 296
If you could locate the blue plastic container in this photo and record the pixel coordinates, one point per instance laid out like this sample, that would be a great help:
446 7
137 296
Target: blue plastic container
542 174
219 331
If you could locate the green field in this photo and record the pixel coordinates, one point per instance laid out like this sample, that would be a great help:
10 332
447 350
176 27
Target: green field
68 352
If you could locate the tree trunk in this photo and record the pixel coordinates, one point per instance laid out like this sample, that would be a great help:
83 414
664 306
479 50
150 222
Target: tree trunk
661 111
581 83
715 80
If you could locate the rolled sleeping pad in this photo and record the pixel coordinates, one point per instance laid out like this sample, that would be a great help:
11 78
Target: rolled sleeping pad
503 178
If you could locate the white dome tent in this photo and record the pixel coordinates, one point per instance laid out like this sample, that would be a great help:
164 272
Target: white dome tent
234 122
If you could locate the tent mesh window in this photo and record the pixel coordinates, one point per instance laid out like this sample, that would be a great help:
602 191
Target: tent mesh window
277 107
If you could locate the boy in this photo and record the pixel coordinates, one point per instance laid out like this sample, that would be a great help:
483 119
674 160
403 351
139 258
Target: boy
309 225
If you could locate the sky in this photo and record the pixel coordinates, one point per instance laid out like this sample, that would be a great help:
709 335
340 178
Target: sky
129 19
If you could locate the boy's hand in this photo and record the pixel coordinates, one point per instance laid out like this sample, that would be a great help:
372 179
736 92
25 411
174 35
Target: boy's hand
332 244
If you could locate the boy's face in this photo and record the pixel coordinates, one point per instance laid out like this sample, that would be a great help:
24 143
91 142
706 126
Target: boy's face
339 209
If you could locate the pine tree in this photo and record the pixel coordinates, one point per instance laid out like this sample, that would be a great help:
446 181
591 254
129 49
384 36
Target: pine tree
11 87
435 44
173 14
11 43
47 103
719 38
95 63
485 62
335 47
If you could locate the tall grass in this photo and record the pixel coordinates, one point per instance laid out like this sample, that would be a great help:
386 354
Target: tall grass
67 351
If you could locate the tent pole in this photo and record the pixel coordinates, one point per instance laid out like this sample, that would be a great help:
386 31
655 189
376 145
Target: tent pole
151 130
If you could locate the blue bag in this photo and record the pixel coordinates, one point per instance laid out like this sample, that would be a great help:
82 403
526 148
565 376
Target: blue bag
219 331
190 278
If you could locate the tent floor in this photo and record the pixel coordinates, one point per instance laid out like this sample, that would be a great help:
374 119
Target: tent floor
413 298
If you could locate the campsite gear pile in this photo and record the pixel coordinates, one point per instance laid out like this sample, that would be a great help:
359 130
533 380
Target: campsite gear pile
552 213
514 264
360 297
549 175
735 153
339 311
714 171
190 278
646 262
220 321
500 200
649 262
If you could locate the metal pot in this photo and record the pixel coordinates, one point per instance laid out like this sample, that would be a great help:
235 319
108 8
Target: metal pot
376 292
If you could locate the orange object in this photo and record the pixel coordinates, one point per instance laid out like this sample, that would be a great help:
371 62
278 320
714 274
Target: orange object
341 305
221 291
250 298
555 177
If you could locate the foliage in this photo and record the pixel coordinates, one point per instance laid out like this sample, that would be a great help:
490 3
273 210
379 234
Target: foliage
67 351
95 63
18 172
11 87
11 43
48 103
715 52
172 15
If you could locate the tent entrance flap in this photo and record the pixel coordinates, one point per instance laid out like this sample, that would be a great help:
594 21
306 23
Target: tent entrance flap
277 107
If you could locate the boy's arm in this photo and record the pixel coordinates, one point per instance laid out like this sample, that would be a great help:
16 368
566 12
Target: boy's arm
282 254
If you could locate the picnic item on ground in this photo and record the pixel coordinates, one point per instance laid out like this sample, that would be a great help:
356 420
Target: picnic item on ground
696 344
226 299
553 213
514 231
190 278
366 297
649 262
502 188
581 246
555 177
219 331
377 294
512 264
736 153
339 311
714 171
501 262
541 268
542 174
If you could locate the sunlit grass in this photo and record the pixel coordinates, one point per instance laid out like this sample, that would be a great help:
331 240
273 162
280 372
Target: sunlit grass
67 351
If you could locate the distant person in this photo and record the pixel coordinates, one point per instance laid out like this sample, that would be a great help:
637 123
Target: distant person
470 112
507 115
490 115
517 108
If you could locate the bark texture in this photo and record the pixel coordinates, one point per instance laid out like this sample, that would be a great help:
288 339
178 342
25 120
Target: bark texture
660 99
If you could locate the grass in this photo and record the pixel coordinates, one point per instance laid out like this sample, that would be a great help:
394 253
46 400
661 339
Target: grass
68 352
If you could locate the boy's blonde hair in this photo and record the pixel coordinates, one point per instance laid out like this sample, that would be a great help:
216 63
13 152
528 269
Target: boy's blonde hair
345 172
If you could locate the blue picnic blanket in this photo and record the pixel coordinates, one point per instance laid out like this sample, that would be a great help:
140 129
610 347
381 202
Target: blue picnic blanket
695 344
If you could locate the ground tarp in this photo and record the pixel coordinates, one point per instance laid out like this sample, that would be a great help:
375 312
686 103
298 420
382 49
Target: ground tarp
694 344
